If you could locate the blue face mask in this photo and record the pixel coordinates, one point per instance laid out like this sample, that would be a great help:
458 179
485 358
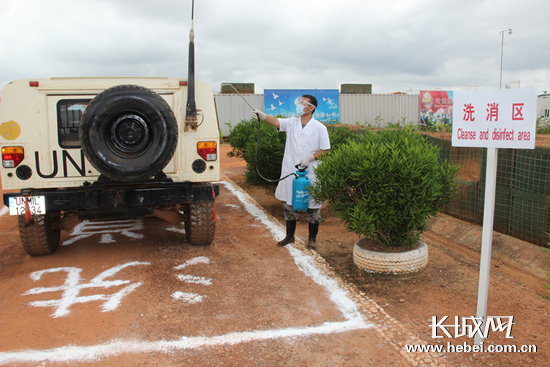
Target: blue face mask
300 110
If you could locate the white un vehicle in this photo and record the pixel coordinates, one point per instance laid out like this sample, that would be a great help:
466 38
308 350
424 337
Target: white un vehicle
101 148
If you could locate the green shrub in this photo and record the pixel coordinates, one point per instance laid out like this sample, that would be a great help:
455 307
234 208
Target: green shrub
243 140
240 135
270 156
386 185
543 125
339 136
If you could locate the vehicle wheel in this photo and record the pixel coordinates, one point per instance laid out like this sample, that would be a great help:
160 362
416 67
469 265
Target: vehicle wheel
41 237
200 225
128 133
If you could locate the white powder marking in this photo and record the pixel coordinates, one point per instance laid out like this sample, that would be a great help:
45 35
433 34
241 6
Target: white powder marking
276 230
107 238
193 261
305 262
176 229
232 205
72 287
336 294
116 347
191 298
4 210
114 301
87 229
194 279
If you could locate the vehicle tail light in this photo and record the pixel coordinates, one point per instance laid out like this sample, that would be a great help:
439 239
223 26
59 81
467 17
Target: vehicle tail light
12 156
207 150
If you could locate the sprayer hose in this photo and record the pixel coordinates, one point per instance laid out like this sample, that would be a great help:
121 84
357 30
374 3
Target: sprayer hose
256 158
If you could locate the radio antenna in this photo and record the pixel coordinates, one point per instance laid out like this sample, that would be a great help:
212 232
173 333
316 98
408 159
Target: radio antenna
191 110
192 13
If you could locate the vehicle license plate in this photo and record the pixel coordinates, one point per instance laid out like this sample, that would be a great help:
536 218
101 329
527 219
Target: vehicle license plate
37 204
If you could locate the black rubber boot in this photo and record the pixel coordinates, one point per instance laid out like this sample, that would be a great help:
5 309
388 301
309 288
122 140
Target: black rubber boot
290 230
313 230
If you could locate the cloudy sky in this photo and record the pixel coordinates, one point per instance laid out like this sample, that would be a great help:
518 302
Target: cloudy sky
395 45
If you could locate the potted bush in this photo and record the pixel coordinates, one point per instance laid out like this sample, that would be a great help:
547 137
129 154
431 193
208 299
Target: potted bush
385 186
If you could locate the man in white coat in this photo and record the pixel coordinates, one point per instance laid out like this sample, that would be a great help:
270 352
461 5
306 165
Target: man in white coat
306 140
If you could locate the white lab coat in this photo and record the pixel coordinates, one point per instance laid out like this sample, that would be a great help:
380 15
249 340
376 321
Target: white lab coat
300 143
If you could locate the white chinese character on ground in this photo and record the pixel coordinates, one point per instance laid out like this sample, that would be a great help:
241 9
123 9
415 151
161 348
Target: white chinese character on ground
189 297
72 287
106 229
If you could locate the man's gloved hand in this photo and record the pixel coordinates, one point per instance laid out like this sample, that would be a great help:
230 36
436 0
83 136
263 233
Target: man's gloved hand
306 161
259 113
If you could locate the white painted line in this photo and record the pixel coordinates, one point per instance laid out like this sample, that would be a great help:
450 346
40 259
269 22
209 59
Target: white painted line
336 294
304 262
116 347
4 210
276 230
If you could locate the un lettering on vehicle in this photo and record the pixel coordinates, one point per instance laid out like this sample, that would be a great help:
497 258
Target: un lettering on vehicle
62 164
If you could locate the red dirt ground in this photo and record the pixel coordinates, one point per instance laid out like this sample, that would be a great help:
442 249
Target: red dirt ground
447 287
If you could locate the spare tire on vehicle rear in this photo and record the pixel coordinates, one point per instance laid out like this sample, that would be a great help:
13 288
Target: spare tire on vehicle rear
128 133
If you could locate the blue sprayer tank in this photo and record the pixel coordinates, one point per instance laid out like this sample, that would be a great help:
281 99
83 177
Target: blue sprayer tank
300 195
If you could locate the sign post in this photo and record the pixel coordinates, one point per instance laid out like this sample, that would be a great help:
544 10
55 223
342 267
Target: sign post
486 238
492 119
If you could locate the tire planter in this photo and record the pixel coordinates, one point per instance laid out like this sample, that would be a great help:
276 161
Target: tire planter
400 263
128 133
